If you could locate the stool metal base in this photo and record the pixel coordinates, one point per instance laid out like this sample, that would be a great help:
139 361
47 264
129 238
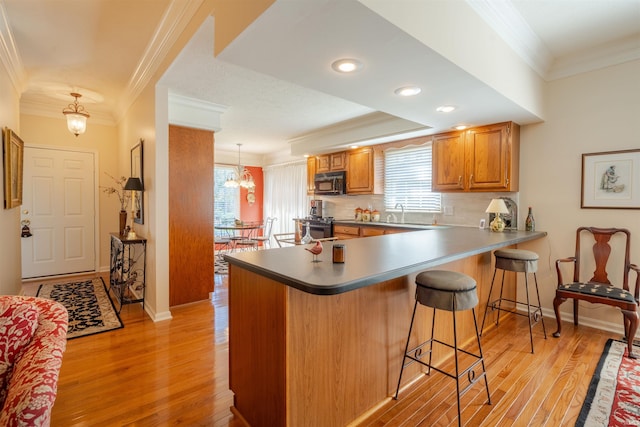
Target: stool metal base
416 354
534 316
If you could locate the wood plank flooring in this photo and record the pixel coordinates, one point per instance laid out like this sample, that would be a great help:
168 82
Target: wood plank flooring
176 373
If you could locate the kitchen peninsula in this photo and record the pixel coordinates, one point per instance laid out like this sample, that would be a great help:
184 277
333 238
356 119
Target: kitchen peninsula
321 343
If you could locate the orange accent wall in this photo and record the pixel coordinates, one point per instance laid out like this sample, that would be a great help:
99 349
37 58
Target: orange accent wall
253 213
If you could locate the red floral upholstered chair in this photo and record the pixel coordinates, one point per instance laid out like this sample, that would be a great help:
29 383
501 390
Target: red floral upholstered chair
33 337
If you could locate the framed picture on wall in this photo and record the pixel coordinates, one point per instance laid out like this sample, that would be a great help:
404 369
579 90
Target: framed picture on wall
137 172
611 180
13 155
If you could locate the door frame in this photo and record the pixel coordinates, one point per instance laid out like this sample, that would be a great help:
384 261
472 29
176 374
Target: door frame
96 201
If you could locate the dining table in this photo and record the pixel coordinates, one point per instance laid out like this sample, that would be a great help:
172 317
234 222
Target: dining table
241 234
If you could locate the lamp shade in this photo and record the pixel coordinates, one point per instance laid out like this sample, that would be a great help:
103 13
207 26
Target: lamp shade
134 184
497 206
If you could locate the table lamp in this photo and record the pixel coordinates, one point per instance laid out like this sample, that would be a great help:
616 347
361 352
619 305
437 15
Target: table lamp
497 206
134 185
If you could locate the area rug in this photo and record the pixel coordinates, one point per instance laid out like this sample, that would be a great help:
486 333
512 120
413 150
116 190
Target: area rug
613 398
91 311
220 266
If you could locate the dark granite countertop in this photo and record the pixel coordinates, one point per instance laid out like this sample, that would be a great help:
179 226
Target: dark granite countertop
370 260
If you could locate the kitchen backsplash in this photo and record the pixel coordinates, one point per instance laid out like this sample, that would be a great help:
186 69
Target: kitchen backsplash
465 209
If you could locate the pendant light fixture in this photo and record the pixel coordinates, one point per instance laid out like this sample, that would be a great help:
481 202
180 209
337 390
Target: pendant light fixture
240 177
76 116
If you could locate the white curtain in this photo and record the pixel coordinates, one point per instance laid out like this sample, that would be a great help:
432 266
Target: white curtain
285 194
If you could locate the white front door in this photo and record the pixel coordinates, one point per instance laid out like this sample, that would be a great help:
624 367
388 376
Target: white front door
59 201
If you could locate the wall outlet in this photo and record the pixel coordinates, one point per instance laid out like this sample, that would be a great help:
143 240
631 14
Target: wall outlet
448 210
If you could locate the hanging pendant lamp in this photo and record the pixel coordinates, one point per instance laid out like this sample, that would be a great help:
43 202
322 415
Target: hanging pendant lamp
76 116
240 177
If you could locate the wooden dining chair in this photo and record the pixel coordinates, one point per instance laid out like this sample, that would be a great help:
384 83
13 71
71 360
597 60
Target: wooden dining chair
599 289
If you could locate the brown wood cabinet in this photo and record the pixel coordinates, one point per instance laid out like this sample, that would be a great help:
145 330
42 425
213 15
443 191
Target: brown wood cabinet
346 231
359 166
352 231
311 171
479 159
331 162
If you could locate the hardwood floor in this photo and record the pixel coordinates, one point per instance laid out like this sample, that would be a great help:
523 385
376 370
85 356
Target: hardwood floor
176 373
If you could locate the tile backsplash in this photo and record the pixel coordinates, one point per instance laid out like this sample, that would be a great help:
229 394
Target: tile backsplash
466 209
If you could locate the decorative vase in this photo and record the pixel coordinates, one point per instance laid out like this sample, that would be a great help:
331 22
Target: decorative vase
123 222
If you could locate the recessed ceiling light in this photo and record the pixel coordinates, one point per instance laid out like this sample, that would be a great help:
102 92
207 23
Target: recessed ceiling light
346 65
445 108
460 127
353 147
407 91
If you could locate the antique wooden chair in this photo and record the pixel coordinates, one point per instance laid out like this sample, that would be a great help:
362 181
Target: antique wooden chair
599 289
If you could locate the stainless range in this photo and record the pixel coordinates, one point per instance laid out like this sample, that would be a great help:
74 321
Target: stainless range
319 228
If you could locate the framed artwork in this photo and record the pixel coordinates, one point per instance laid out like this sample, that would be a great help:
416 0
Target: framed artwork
13 154
137 172
611 180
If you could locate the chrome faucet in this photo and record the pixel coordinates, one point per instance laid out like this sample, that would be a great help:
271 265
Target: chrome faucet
401 216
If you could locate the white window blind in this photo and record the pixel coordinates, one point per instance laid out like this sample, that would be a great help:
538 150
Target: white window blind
226 205
407 180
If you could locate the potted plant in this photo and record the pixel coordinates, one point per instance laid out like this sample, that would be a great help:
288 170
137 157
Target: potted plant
123 197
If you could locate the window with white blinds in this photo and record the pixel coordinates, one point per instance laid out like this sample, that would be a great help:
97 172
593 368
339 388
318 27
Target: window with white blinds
407 179
226 205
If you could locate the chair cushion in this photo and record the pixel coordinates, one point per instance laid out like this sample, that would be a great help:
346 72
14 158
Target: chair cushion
18 323
446 290
600 290
516 260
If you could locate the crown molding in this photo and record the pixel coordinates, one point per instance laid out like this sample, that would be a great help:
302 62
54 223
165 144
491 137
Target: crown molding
509 24
173 22
54 111
195 113
614 53
371 128
9 52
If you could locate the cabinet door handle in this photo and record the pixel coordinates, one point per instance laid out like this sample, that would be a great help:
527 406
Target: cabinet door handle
460 181
470 180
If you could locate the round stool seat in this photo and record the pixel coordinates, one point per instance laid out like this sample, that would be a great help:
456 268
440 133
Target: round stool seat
446 290
516 260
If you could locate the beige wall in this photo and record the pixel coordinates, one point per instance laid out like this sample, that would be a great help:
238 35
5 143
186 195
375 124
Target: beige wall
10 259
590 112
100 139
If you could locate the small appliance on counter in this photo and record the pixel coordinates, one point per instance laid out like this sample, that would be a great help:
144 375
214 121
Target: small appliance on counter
315 211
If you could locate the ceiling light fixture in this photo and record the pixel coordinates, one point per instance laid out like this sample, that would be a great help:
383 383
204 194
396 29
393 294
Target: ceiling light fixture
460 127
445 108
407 91
240 177
347 65
76 116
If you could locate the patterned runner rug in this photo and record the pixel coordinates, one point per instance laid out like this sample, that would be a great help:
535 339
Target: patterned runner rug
91 311
613 398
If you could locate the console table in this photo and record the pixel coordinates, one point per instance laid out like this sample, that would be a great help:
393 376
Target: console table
127 269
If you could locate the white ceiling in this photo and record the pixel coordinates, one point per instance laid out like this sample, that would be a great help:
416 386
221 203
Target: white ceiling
275 78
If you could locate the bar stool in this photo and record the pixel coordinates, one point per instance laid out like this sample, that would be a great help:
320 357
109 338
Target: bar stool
517 260
450 291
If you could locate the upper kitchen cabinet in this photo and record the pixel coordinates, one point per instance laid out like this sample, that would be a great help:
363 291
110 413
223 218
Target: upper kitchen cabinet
331 162
479 159
359 166
311 171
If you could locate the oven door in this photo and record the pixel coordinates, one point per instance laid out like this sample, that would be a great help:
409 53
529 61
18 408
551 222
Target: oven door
318 231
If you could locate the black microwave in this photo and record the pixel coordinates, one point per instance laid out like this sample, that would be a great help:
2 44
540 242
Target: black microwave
331 183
